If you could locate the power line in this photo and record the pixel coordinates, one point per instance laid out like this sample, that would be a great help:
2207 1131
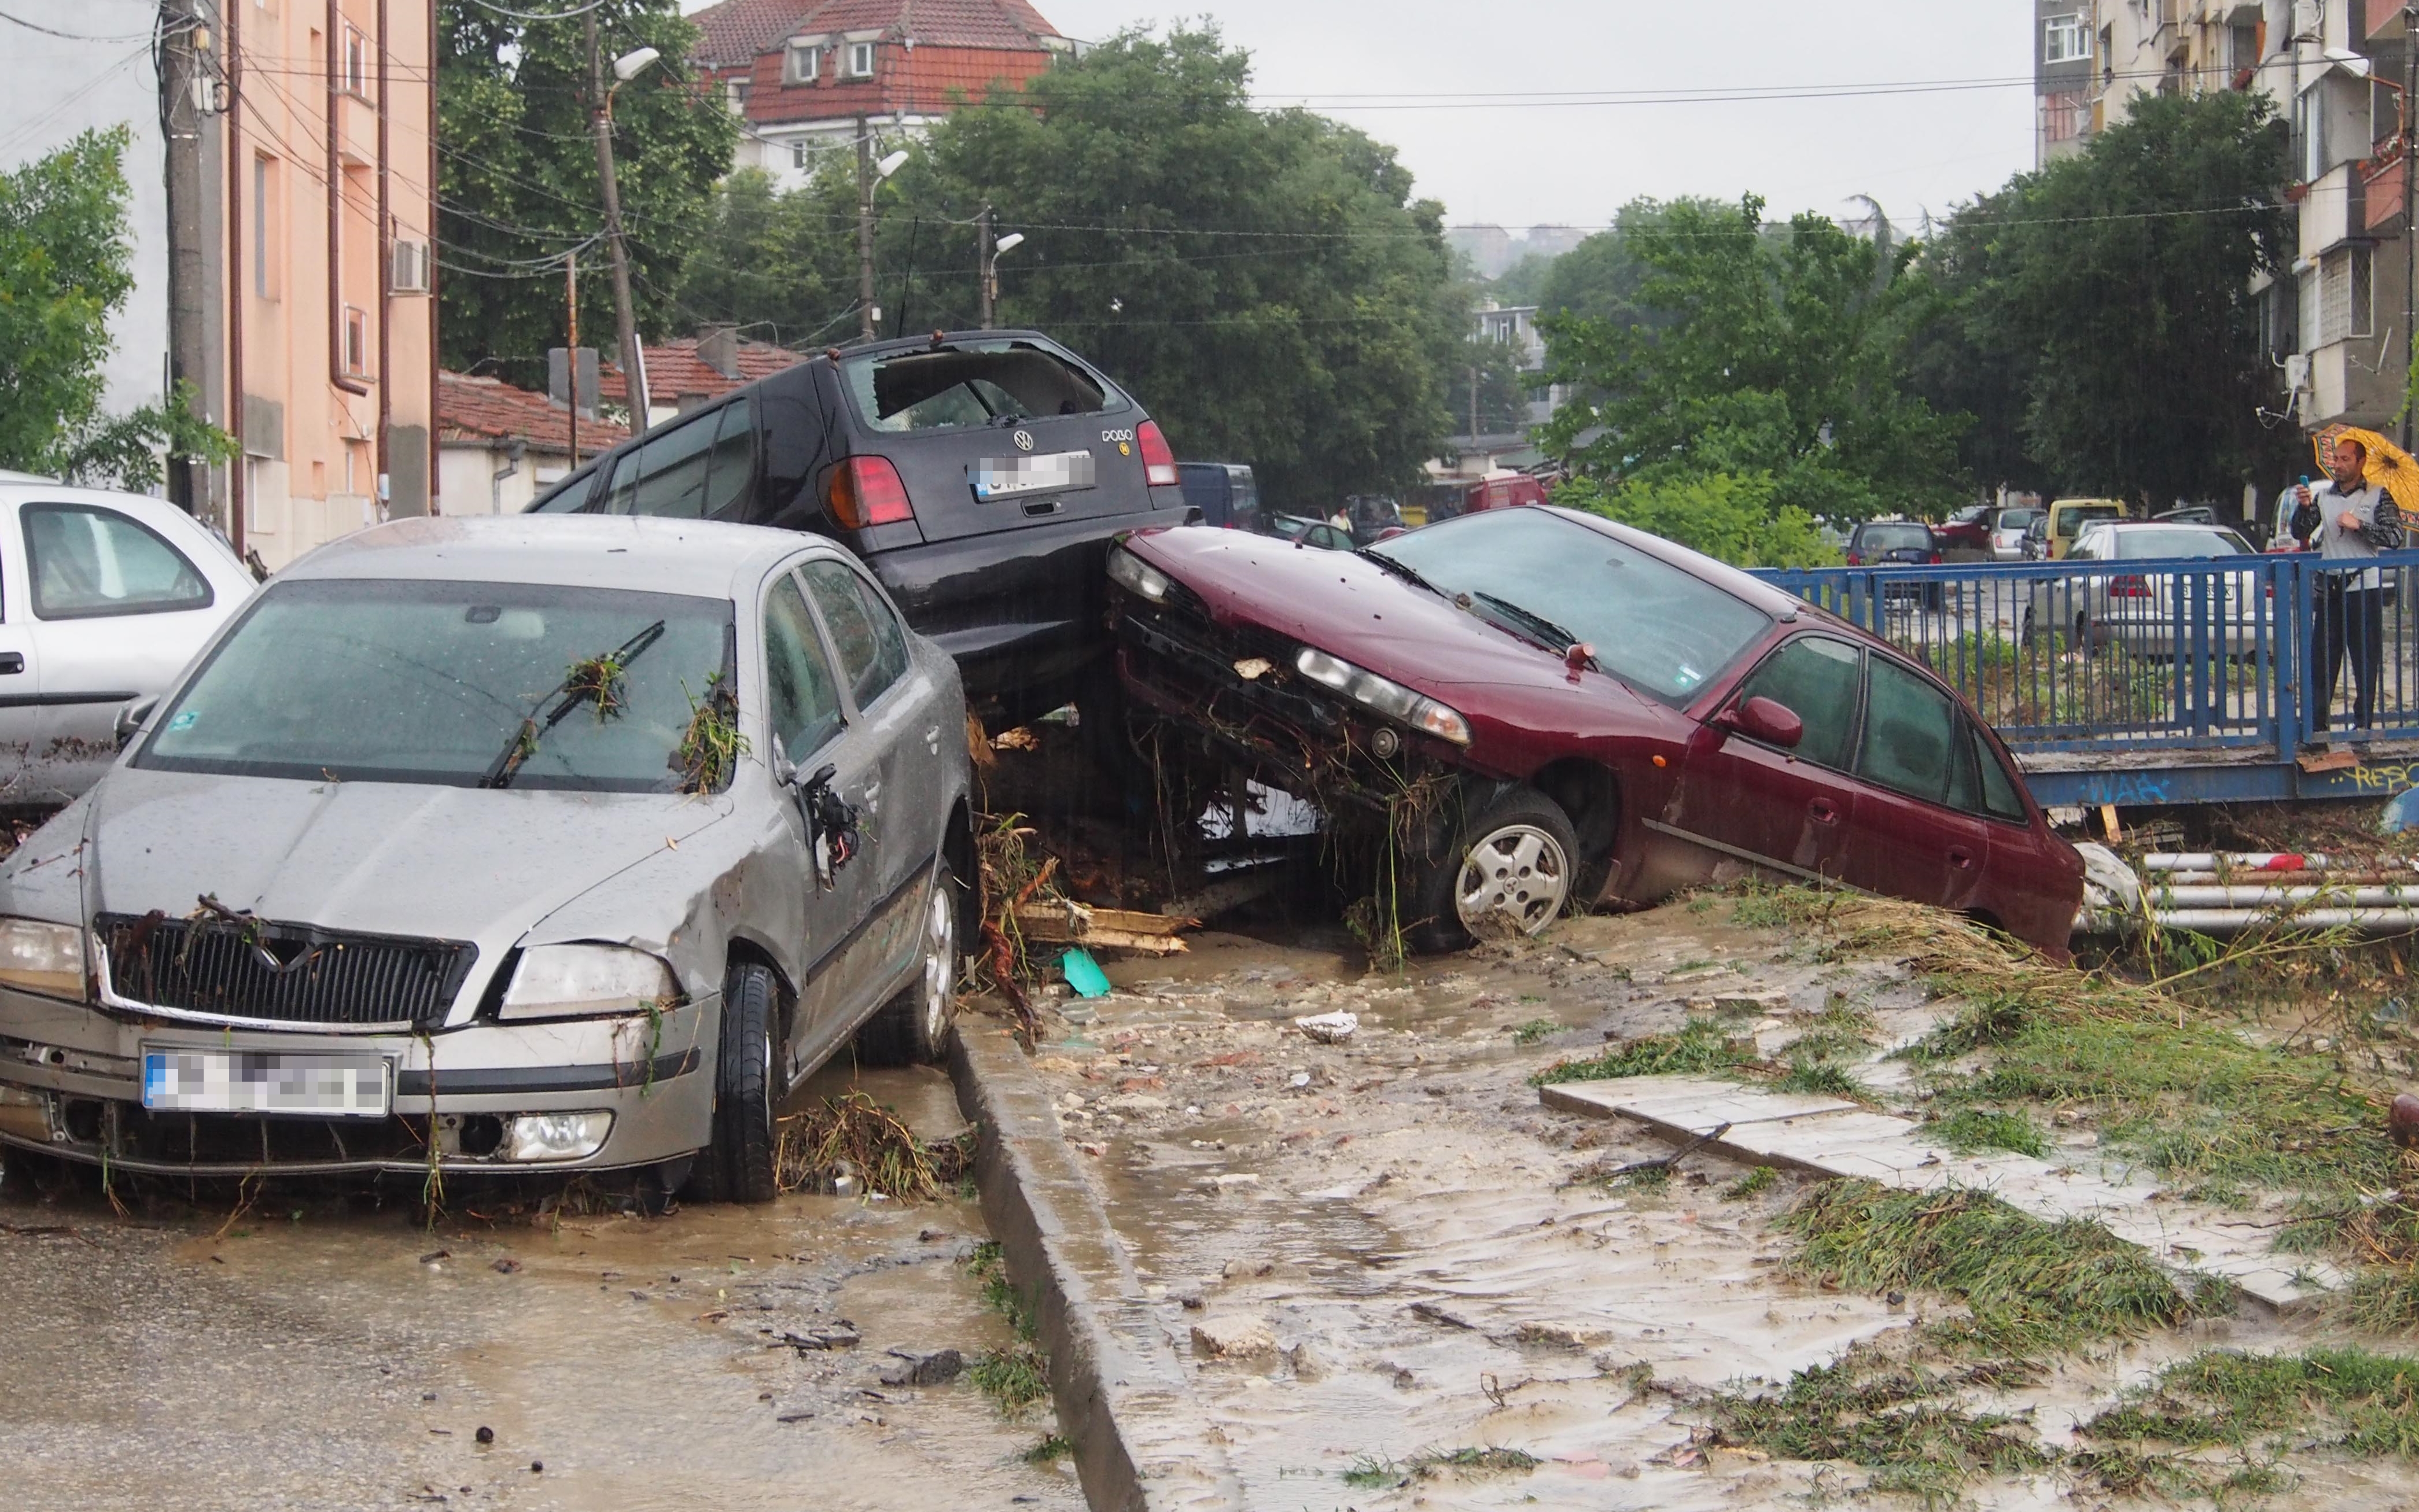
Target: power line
72 37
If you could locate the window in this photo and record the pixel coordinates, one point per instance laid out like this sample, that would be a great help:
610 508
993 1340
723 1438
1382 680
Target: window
357 342
1815 678
427 681
803 700
264 210
2065 39
873 649
797 155
2063 116
2000 799
1660 628
860 60
968 386
87 562
2363 272
356 64
806 62
696 470
1908 725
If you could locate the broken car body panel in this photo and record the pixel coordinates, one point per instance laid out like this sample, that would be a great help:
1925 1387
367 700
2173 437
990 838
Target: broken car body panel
1661 792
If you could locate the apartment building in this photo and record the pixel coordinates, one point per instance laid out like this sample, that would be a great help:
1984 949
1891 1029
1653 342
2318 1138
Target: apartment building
808 77
2336 321
326 160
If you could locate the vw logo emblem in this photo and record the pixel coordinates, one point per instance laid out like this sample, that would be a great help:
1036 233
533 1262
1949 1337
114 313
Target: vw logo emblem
1023 441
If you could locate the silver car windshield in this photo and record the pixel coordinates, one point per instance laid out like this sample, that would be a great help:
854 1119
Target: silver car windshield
444 683
1655 626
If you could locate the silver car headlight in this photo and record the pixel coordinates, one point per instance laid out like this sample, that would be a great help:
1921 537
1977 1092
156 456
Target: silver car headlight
1383 694
1135 576
584 981
54 959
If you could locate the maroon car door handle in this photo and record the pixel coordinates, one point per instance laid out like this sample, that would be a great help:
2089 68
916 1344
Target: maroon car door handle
1825 811
1962 859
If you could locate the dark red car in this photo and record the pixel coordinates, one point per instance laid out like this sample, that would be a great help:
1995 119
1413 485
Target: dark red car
1539 708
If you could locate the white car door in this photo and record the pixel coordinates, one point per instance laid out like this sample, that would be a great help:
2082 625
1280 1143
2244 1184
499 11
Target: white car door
117 608
21 674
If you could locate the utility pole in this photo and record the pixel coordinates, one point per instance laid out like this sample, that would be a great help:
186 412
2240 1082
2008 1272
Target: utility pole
571 353
634 361
989 280
864 229
187 94
2409 223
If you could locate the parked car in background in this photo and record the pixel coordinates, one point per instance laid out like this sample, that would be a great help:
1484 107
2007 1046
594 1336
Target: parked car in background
2008 532
2067 518
981 475
1502 489
1899 543
2189 514
1373 515
1226 493
1532 708
104 597
1305 532
1966 536
489 846
2151 613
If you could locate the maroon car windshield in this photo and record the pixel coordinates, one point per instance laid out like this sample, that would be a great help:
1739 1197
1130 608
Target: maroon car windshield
1659 627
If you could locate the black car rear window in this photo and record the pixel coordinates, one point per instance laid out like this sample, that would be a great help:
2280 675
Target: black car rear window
1874 538
987 383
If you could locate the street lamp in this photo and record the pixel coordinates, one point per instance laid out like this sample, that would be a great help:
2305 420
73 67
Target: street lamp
869 174
625 67
991 255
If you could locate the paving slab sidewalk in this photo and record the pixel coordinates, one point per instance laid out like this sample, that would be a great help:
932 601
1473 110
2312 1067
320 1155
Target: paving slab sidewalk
1831 1137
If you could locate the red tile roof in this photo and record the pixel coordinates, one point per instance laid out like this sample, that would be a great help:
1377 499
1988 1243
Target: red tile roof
738 30
675 371
477 409
927 81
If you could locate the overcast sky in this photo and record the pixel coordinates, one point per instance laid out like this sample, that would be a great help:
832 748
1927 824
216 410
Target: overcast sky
1518 165
1523 164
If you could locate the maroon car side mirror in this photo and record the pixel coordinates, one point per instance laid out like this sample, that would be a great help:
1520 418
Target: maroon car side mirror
1762 719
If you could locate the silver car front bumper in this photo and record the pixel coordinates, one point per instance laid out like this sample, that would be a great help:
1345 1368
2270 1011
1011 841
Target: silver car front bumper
71 1085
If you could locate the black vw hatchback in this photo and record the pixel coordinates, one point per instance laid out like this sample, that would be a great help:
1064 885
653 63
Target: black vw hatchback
980 474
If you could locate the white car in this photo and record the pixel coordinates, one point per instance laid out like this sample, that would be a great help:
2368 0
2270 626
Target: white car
2008 534
104 597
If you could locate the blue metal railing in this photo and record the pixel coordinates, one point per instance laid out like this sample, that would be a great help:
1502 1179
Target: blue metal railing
2209 655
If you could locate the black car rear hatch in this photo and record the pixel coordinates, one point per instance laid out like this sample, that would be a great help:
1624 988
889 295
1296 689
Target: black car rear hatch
992 434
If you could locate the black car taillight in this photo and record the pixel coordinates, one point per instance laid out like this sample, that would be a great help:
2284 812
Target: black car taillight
866 491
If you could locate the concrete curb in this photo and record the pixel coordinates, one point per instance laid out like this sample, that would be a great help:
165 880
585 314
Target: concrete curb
1141 1444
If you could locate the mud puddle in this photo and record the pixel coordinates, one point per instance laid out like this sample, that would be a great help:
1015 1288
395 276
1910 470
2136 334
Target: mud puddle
294 1358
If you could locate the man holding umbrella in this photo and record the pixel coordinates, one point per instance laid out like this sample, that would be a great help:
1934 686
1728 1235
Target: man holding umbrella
2348 520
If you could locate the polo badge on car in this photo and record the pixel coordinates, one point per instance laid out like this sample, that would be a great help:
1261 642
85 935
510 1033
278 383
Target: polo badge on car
1023 441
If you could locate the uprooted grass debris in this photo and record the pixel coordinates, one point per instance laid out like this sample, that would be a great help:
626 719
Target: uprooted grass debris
2347 1398
1373 1472
854 1134
1701 1045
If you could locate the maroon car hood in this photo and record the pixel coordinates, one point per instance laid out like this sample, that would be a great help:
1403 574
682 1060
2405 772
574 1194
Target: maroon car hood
1347 604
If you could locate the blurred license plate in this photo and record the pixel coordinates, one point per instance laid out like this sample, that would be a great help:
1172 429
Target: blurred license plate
1004 477
231 1081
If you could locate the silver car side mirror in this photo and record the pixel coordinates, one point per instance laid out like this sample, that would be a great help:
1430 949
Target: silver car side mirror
133 717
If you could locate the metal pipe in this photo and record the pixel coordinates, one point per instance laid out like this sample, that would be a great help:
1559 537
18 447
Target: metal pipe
2203 861
2228 921
2334 879
2238 897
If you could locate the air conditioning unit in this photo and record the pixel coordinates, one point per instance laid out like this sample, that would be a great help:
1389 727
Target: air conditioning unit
2297 372
409 274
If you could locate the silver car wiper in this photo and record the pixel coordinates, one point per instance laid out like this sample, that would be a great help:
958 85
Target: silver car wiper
557 703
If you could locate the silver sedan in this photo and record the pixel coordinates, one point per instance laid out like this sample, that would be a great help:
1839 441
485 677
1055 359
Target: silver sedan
483 846
2145 612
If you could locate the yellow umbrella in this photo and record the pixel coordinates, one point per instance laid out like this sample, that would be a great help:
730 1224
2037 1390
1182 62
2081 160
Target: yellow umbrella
2389 465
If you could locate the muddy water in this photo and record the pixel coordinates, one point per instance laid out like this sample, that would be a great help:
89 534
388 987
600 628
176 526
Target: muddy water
1400 1215
328 1360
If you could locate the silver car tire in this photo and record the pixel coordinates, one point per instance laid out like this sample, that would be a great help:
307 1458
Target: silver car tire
740 1164
1511 870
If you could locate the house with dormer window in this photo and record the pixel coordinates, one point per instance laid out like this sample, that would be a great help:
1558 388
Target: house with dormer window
808 77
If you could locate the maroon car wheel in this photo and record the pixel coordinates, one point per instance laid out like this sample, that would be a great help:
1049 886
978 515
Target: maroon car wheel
1509 871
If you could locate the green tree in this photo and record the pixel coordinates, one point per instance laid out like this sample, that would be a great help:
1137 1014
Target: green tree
1263 281
1729 516
1503 402
781 264
517 183
1754 354
65 265
2098 313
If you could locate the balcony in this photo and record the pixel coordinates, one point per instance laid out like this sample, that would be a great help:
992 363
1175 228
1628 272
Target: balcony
2383 187
2331 215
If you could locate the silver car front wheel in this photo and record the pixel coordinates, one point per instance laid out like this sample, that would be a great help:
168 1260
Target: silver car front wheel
1514 880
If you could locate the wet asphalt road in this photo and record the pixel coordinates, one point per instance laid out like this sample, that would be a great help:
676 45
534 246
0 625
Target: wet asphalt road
316 1354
